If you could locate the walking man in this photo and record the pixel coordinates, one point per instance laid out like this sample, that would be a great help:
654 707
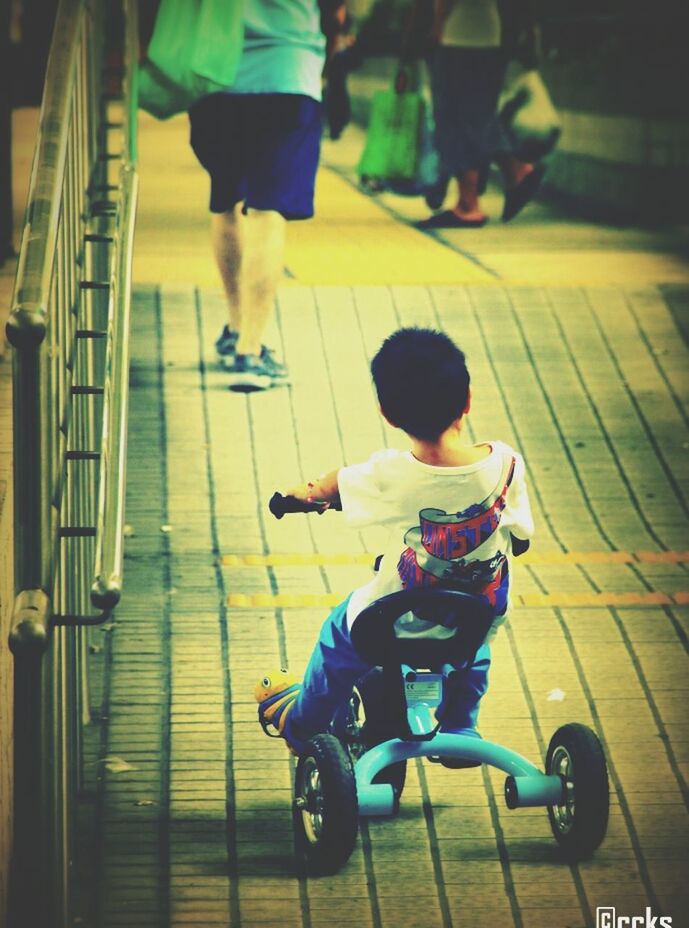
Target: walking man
259 141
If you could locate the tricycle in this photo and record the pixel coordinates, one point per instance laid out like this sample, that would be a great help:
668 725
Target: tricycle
358 767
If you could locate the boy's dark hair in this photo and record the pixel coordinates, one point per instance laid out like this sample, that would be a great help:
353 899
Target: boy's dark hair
422 381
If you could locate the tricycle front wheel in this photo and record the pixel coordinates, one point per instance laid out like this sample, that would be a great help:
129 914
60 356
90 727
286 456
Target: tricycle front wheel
579 823
325 806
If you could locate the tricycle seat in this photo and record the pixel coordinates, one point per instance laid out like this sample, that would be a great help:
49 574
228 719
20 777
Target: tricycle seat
457 625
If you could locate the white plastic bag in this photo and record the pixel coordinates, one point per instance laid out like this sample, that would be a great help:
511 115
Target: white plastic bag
528 117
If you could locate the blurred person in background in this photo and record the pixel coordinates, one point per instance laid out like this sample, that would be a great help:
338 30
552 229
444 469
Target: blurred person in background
469 44
259 141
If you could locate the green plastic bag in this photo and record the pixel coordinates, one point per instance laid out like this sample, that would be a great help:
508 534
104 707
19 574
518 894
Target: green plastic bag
195 50
393 140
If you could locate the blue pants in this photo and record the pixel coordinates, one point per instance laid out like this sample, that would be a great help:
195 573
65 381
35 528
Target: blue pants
335 667
465 85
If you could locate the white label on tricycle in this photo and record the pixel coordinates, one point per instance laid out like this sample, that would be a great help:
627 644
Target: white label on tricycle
424 690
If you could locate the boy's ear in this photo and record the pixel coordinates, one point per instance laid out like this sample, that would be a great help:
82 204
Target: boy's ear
467 408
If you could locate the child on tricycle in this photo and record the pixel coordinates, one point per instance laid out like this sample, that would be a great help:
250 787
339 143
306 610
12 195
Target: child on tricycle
456 512
453 509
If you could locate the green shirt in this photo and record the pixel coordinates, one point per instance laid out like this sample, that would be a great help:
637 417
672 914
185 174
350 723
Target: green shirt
284 48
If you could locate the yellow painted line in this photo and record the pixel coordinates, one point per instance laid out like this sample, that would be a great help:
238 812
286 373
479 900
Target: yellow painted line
296 560
533 600
663 557
605 557
553 600
283 600
535 559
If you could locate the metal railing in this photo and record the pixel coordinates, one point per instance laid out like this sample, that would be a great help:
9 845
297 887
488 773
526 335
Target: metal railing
69 327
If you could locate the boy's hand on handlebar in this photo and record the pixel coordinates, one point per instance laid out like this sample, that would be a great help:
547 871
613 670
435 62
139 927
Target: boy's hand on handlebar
279 505
309 497
315 496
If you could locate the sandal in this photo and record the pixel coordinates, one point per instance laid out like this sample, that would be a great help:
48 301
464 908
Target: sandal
517 197
448 219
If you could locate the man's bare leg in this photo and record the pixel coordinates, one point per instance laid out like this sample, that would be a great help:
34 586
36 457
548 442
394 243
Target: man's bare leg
467 212
249 251
468 206
227 238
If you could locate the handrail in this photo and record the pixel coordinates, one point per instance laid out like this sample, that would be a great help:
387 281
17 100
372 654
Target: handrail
106 587
107 584
26 327
30 622
130 79
69 326
26 324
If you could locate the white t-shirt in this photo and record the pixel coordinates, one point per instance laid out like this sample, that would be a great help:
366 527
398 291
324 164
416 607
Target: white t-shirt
472 24
464 514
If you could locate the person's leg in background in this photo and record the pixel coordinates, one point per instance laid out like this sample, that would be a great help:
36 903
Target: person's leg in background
261 152
468 206
466 85
522 180
279 162
462 109
227 236
249 251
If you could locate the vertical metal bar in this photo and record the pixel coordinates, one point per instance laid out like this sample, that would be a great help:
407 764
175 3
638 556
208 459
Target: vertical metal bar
131 79
6 225
59 779
109 551
29 640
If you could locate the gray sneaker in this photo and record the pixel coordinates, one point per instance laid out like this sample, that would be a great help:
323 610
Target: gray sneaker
277 370
226 346
250 372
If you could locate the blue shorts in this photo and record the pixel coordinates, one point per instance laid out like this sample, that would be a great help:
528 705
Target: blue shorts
259 149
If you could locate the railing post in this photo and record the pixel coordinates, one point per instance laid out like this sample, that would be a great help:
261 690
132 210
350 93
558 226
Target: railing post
32 529
6 246
29 639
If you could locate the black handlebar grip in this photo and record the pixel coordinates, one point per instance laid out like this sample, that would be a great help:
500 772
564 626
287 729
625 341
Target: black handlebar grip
277 505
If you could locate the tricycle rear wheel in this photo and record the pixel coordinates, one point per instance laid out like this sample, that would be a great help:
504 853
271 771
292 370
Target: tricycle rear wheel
580 822
326 812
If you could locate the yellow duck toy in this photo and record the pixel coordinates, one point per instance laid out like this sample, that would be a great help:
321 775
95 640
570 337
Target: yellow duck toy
275 694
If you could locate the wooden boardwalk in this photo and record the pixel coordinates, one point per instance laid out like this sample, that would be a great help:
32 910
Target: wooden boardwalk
573 335
191 820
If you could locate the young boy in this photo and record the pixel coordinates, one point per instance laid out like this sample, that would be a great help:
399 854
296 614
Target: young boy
453 510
